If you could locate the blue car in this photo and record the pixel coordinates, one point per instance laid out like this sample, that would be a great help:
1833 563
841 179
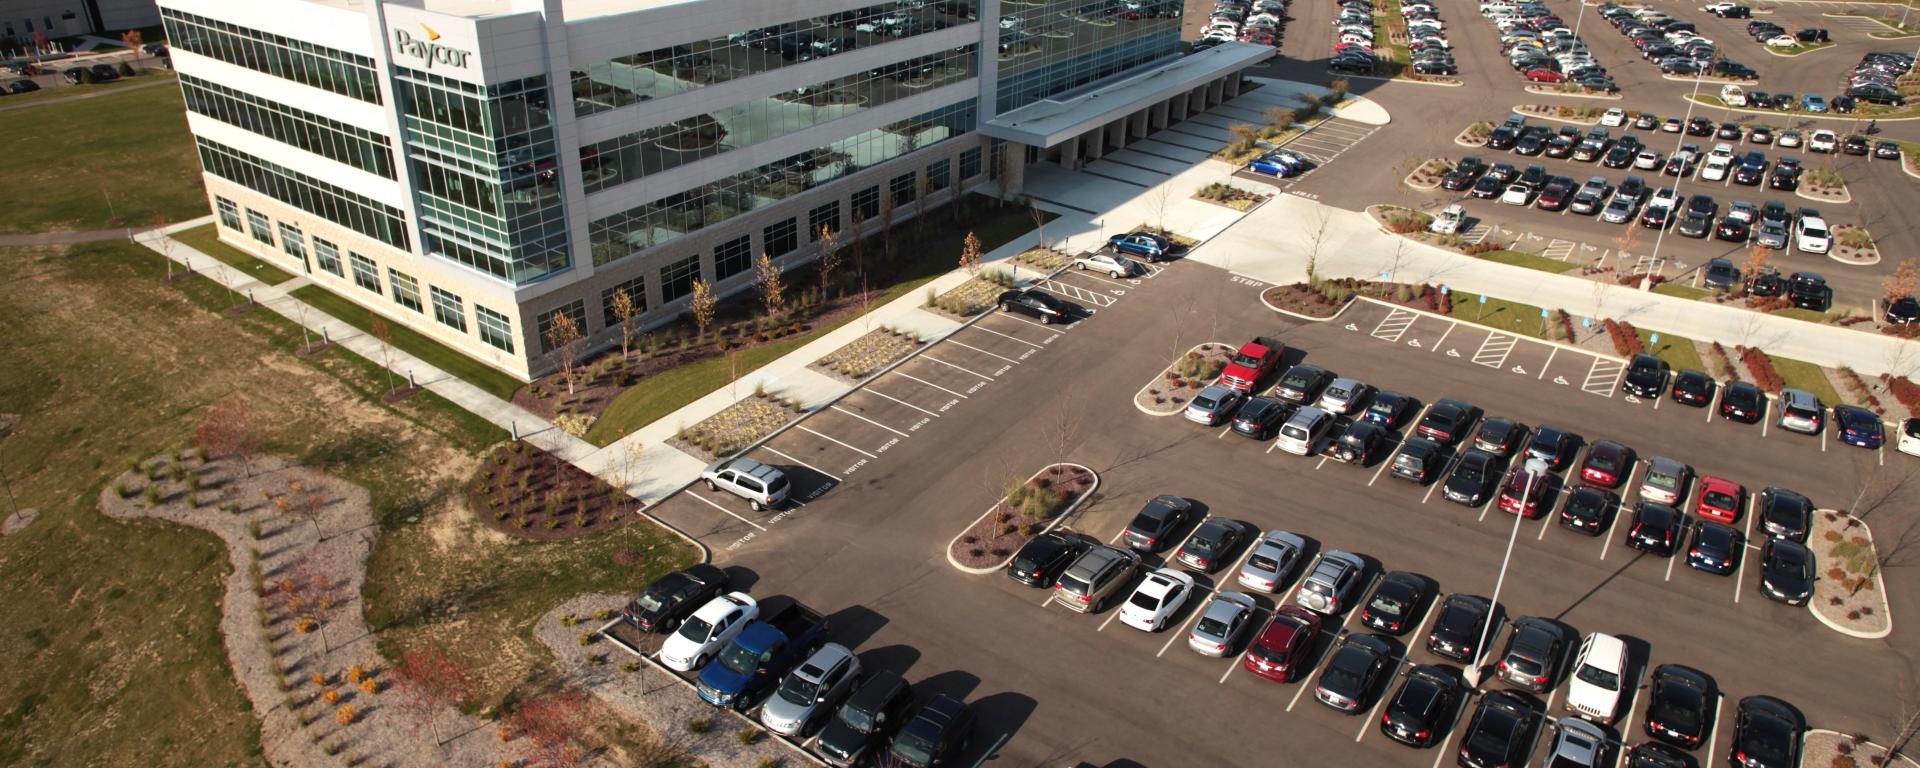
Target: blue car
1145 245
1389 409
1281 163
1813 103
1859 427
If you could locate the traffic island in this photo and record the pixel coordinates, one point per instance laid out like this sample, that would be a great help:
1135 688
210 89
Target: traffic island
1168 393
868 354
737 426
1046 260
1474 135
526 492
1824 185
1849 595
1427 175
1230 196
1576 93
1028 509
1562 113
1831 749
1853 246
972 297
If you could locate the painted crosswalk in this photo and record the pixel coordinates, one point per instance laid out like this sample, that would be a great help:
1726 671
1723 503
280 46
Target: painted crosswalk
1559 249
1394 325
1494 351
1077 293
1603 377
1478 233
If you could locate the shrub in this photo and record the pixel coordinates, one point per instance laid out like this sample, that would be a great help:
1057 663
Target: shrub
699 725
370 686
344 715
319 678
1761 367
569 620
747 736
305 625
1904 390
586 638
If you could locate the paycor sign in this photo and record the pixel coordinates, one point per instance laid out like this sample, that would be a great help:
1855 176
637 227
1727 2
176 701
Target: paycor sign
428 51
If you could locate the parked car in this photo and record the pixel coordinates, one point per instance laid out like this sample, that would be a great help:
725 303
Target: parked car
1742 401
1274 558
1859 427
1593 690
1114 264
940 730
762 485
1474 476
1679 705
1353 672
1446 421
1303 432
866 720
1417 460
1766 734
1424 705
1500 436
1578 744
1145 245
1281 649
811 690
1554 446
669 600
1152 528
1036 303
1207 549
1535 650
1667 481
1301 384
1607 464
1716 549
1343 395
1389 409
1656 529
1158 597
709 629
1784 514
1497 734
1260 418
1228 616
1786 571
1093 579
1587 510
1395 601
1463 618
1213 405
1721 500
1040 561
1800 411
1329 588
1646 376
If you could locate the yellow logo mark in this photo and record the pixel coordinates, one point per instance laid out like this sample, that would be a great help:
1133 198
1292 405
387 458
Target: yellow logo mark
431 35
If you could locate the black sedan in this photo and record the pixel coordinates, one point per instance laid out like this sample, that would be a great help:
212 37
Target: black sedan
1497 735
1693 388
1261 417
1353 673
1500 436
1654 754
1206 550
1656 528
1646 376
1037 303
1716 548
1733 230
675 596
1042 560
1721 274
1904 310
1152 529
1785 514
1474 477
1766 734
1389 409
1742 401
1395 602
1786 572
1487 187
1446 422
1679 705
1766 284
1588 509
1554 446
1424 704
1462 619
1534 653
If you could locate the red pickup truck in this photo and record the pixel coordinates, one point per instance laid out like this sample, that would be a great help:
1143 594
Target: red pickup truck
1252 363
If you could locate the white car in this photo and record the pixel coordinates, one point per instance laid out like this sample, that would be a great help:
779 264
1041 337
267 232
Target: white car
1303 431
707 631
1810 235
1712 7
1782 41
1614 118
1787 139
1113 264
1448 221
1647 160
1517 194
1823 140
1909 444
1344 395
1715 168
1157 599
1593 690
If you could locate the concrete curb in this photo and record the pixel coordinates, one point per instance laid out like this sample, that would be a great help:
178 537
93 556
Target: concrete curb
1057 520
1794 113
1554 118
1163 372
1329 318
1545 91
1905 167
1798 54
1838 736
1712 80
1847 197
1439 83
1879 585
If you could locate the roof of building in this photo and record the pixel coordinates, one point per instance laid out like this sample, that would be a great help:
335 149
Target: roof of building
574 9
1049 122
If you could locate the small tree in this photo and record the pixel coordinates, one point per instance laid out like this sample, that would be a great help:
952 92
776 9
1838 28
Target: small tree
772 289
1003 171
384 334
427 680
921 200
1159 198
1278 118
624 311
970 254
132 38
563 342
857 239
702 306
829 258
227 432
555 725
1039 225
163 243
1315 239
1245 138
887 204
1904 280
1757 258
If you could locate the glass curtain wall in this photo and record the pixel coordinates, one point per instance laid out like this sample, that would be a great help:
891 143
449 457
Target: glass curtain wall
1051 46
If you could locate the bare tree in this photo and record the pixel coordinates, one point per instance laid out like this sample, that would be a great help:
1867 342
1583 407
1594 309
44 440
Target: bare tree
970 254
564 340
887 204
1062 429
227 432
771 286
1159 198
163 242
1039 225
702 305
1909 723
857 239
384 334
1880 487
1003 171
428 680
920 203
1316 237
6 430
300 314
309 503
1757 259
829 259
624 311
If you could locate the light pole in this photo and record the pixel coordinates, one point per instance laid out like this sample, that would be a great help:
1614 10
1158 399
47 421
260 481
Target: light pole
1653 259
1535 468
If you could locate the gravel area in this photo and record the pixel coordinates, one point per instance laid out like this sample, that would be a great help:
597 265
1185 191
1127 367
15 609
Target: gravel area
18 521
1044 259
1844 550
652 695
734 427
321 560
1827 749
863 356
993 539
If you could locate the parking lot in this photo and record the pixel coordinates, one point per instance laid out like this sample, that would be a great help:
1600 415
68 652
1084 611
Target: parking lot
879 501
1324 143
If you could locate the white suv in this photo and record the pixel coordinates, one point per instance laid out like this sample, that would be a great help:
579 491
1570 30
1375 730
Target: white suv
1301 432
1823 140
1593 691
1810 235
762 485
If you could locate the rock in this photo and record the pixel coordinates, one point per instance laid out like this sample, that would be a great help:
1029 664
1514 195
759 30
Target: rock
18 521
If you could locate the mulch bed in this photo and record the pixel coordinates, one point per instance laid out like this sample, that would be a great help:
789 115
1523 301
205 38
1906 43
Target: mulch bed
1300 299
1179 382
1845 592
1044 259
863 356
523 491
735 427
997 535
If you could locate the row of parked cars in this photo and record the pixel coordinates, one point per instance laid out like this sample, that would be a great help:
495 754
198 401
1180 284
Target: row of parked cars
1263 22
1875 78
1543 48
1675 46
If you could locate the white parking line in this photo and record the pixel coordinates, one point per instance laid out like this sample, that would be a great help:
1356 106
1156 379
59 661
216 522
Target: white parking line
955 367
835 442
1746 537
1493 352
990 750
1618 513
782 454
1054 328
872 391
1551 351
1626 726
1091 276
1394 325
1719 700
980 327
1443 337
930 384
1386 691
1400 444
837 407
728 511
959 343
1459 713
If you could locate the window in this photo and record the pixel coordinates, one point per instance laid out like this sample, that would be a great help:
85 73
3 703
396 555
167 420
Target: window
495 329
355 211
732 257
258 226
327 256
406 290
448 310
365 274
293 243
866 203
970 163
348 74
575 311
636 292
902 188
937 174
363 149
781 238
827 217
676 279
229 213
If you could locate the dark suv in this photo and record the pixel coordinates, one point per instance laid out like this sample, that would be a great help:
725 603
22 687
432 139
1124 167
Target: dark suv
878 707
938 731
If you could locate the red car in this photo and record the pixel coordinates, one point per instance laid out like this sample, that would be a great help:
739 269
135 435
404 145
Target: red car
1546 76
1280 651
1607 464
1721 499
1517 494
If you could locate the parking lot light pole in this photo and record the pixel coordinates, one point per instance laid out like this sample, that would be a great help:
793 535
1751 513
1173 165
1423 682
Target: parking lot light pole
1472 672
1653 259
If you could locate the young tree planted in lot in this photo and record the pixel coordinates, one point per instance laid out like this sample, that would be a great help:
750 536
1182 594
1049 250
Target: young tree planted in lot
227 432
1039 225
427 680
857 240
384 333
829 258
970 254
702 306
564 340
625 312
920 203
164 243
886 224
1757 259
767 279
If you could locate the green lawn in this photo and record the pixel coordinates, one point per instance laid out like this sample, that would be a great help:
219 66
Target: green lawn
119 160
89 92
1510 316
206 239
1804 375
434 353
1684 291
671 390
1678 351
1527 260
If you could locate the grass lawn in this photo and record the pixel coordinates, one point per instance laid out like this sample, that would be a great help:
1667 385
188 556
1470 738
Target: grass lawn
1510 316
114 626
1678 351
118 160
439 355
206 239
1804 375
90 92
1527 260
669 391
1684 291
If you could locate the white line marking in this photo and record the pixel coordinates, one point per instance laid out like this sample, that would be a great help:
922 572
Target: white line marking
1551 351
836 442
872 391
1618 513
781 454
1719 700
837 407
980 327
955 367
1626 726
990 750
930 384
1443 337
1746 537
957 342
728 511
1055 329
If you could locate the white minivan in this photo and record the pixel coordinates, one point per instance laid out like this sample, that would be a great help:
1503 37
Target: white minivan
1304 430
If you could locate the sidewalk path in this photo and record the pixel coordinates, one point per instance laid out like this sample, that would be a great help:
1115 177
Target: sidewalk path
75 238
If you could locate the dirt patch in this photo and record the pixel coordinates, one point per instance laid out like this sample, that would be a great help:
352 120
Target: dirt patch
523 491
1027 510
736 426
1189 373
1848 592
1044 259
866 355
1827 749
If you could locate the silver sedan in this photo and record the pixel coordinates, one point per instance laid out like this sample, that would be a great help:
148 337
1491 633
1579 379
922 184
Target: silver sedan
1272 562
1221 624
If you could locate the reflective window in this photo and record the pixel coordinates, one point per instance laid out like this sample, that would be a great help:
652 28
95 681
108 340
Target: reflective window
939 175
448 309
365 274
348 209
1051 46
229 213
347 74
732 257
495 329
824 217
866 203
575 310
327 256
676 280
258 226
902 188
332 139
406 290
781 237
293 243
636 292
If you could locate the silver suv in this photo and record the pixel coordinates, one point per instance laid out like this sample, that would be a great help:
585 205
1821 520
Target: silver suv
1330 586
1800 411
762 485
811 691
1096 576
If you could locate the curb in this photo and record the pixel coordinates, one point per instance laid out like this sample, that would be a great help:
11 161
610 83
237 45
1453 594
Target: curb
1879 583
1794 113
1329 318
1905 167
1845 737
1575 95
1797 54
1568 120
1163 372
1847 197
1712 80
1437 83
1057 520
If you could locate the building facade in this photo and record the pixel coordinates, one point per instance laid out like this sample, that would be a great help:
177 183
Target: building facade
20 20
474 168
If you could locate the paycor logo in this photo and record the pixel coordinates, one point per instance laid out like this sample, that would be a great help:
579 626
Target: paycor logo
427 50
